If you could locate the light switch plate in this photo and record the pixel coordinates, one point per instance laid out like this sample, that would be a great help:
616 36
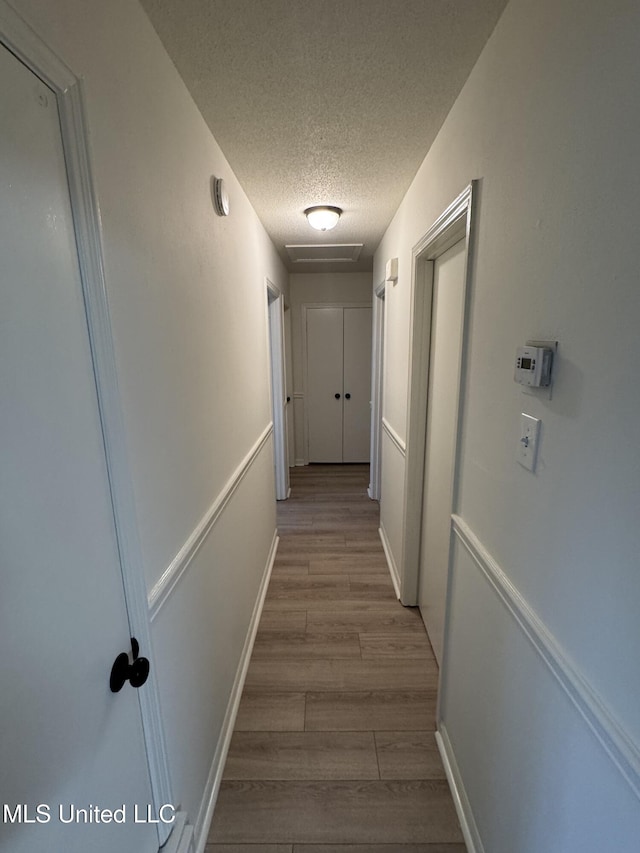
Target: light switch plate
527 451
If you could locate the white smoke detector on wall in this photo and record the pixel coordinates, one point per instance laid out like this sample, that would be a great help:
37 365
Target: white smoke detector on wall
220 197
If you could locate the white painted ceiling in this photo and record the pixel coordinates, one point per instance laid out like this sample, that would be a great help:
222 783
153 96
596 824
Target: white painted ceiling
324 101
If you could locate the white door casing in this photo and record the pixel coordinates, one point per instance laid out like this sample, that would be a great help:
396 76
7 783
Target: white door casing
456 223
377 392
442 408
67 740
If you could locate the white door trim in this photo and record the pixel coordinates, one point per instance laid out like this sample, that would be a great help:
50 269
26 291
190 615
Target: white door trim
454 224
21 40
377 377
275 332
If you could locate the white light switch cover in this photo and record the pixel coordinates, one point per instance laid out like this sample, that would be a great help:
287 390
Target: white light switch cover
528 442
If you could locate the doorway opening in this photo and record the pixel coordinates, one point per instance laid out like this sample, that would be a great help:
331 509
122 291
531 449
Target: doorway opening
441 265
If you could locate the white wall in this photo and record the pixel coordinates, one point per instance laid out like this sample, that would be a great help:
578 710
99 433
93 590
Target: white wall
187 296
317 288
548 122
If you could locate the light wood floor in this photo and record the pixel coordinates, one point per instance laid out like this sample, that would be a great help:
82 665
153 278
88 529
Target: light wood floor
334 749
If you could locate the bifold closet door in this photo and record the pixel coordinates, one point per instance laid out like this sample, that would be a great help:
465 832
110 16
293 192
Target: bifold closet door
339 384
356 430
324 383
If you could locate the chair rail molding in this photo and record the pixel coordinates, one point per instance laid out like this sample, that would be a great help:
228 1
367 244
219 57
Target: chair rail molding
611 735
395 438
162 590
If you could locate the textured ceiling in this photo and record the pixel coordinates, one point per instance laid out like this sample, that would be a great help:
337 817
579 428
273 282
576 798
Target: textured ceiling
324 101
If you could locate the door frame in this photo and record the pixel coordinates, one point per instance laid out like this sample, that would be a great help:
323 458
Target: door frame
275 337
305 380
456 223
18 37
377 391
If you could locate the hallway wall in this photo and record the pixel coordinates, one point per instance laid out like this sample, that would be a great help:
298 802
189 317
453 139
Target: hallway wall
317 288
541 699
188 304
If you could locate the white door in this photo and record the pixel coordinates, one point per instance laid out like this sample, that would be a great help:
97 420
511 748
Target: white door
288 377
444 372
67 742
339 384
356 433
324 383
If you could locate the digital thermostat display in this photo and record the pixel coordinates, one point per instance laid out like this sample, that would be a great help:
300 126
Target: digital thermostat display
533 366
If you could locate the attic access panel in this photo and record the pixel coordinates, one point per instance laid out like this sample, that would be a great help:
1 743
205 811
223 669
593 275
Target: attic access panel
324 252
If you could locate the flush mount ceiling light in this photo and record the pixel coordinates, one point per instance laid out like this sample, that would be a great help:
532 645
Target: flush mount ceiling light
323 217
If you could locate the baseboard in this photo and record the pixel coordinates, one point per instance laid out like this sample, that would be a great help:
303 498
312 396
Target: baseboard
393 569
460 800
212 787
181 838
300 463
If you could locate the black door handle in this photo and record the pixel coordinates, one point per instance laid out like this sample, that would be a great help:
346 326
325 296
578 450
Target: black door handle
347 396
337 396
288 399
136 672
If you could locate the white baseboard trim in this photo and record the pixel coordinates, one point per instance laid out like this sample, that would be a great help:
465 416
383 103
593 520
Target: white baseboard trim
300 463
181 838
212 787
393 569
460 800
178 566
395 438
609 732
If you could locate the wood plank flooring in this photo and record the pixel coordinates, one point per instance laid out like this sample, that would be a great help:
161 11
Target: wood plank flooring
333 749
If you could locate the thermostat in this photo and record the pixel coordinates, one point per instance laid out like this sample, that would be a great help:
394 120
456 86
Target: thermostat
533 366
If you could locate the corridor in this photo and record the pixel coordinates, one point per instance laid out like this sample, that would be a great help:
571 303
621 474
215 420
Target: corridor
333 749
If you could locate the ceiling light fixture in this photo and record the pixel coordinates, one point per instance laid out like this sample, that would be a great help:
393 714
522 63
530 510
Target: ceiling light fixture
323 217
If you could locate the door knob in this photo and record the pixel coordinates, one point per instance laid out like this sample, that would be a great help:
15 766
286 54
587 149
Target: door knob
136 672
288 399
337 396
347 396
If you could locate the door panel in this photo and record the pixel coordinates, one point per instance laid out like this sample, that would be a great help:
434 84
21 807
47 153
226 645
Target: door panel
66 739
444 371
275 311
324 381
291 451
357 383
